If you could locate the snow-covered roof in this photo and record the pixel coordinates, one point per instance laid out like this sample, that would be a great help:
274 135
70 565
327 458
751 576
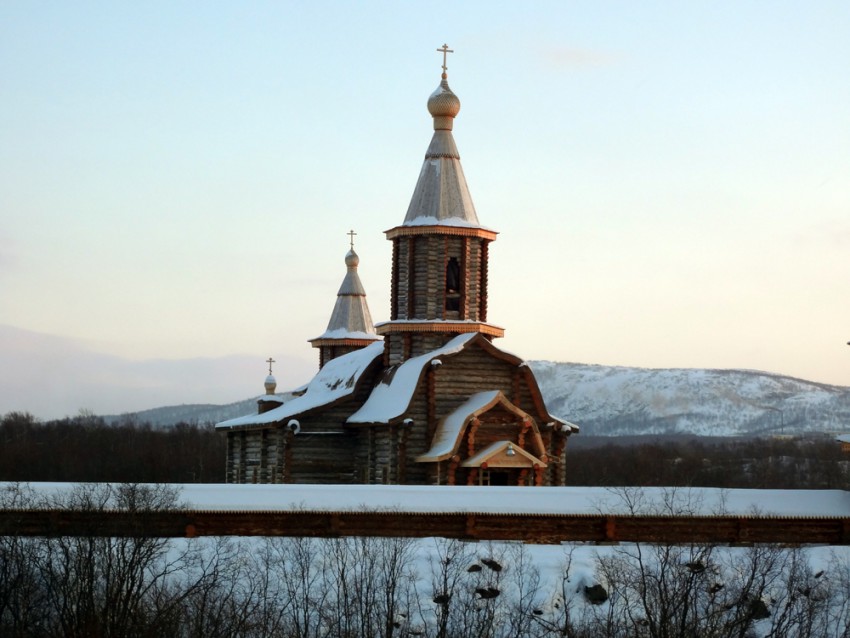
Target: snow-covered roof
450 428
843 438
335 381
392 395
505 450
342 333
506 500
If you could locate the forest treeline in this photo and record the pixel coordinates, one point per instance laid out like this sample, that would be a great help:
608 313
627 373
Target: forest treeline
806 462
86 448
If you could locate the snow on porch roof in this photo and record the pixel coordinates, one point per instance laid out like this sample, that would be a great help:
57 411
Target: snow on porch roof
335 381
495 448
450 428
392 395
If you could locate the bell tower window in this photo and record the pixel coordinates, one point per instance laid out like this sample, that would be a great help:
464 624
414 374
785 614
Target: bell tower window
452 285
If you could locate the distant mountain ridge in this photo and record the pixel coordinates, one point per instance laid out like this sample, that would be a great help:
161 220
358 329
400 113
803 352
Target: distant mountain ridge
615 400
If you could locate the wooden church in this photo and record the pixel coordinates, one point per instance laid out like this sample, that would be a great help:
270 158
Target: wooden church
424 398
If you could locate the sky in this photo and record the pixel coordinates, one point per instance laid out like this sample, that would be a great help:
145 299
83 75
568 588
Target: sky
670 182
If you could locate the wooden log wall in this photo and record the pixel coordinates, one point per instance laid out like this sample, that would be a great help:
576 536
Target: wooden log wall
419 277
328 353
402 346
418 440
323 457
341 453
530 528
468 373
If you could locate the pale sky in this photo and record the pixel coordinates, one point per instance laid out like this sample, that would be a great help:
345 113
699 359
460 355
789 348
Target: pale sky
670 180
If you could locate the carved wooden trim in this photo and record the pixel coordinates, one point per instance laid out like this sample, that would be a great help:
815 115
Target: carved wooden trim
394 282
455 231
280 443
538 475
264 455
456 327
450 478
561 470
464 278
470 437
444 283
431 402
482 292
331 343
525 426
287 455
402 454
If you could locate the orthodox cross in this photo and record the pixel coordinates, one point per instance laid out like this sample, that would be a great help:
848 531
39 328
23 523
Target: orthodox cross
445 50
351 235
270 361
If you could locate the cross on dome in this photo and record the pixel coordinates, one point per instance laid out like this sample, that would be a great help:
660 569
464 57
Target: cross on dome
351 235
445 50
270 361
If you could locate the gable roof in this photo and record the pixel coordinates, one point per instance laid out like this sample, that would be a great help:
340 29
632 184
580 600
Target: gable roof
337 380
507 455
450 428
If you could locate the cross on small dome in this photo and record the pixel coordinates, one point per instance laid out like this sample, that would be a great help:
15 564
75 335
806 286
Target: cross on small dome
445 50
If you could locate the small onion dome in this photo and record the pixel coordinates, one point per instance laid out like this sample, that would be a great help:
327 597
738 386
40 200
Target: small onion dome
443 105
351 259
271 384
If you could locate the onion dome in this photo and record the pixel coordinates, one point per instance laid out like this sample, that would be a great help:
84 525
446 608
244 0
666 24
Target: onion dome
270 384
443 105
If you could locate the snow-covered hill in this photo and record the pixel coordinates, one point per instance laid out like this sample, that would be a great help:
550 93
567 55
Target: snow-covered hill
611 400
608 400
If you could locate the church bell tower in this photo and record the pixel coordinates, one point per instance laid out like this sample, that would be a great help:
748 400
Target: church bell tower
440 252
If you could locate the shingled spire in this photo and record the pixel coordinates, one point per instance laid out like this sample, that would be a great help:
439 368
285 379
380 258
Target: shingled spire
350 327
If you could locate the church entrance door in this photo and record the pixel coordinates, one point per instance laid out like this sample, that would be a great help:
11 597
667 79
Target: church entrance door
499 478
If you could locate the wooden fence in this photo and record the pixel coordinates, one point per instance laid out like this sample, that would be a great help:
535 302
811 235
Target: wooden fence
531 528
